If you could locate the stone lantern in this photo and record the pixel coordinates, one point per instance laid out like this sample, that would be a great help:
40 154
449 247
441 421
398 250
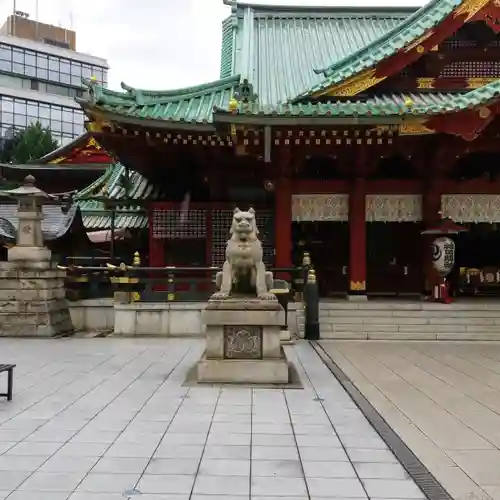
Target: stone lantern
29 247
32 290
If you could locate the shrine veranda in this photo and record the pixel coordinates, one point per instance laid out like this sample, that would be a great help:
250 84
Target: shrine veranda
347 155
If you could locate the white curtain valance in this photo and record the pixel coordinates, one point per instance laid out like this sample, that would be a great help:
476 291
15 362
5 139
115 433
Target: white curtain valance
320 207
393 208
471 207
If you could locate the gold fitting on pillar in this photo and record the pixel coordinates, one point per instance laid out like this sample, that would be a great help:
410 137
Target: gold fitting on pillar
311 276
358 286
137 259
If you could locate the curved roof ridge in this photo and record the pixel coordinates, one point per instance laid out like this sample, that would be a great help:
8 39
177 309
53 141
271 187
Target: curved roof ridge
238 4
401 35
97 94
183 91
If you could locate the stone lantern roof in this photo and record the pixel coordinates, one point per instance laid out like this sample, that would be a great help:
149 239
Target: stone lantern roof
27 189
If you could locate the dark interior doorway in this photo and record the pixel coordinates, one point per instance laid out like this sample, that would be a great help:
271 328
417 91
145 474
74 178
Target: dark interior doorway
477 260
394 258
328 244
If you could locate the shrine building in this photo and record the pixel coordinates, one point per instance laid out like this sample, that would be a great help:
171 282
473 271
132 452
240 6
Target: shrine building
350 130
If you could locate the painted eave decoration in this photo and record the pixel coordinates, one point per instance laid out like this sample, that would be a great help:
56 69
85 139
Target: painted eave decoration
84 150
417 35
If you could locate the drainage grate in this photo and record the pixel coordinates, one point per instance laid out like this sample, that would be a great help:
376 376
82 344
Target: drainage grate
422 477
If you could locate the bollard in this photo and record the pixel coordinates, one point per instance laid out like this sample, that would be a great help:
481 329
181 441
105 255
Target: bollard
311 307
135 294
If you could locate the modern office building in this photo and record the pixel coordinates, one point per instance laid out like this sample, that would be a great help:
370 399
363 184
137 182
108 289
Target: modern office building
40 75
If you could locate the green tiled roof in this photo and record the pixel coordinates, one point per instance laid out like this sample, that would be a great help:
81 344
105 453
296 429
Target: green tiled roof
278 48
111 184
382 47
384 105
227 49
192 105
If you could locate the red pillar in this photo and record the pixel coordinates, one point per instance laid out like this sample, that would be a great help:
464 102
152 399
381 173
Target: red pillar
357 238
283 223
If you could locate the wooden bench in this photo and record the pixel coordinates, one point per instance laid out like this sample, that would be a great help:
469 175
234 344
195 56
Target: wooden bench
10 376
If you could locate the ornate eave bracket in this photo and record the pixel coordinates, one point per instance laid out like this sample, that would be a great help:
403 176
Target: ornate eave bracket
470 125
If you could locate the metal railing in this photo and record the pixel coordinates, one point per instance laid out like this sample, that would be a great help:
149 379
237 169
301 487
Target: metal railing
154 284
136 283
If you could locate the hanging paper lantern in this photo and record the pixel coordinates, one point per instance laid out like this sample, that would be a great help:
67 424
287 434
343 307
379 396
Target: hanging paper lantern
443 255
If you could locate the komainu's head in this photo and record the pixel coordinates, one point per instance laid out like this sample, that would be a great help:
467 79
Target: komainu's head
244 226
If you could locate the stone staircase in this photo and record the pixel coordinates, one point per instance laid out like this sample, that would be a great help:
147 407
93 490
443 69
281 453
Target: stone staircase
477 319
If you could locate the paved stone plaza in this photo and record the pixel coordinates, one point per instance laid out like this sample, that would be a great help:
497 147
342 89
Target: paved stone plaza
108 419
442 398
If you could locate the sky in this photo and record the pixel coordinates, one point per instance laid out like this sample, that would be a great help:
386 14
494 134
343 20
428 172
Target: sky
152 44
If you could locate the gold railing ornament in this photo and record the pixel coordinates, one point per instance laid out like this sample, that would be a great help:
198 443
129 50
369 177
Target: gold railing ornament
137 259
311 276
306 259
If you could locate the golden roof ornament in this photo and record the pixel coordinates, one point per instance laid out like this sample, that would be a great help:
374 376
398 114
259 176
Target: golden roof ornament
233 105
409 102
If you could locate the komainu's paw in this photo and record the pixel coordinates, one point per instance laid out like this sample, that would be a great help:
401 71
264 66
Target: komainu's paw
219 296
267 296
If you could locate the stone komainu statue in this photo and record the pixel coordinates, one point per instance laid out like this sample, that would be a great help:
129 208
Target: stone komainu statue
244 271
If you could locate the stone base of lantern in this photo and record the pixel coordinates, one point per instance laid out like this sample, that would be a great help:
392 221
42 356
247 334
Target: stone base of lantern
34 257
32 296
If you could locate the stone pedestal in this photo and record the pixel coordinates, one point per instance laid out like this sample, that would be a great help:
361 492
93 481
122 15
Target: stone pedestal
243 343
32 300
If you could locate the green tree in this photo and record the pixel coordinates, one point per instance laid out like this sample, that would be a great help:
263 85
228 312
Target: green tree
30 144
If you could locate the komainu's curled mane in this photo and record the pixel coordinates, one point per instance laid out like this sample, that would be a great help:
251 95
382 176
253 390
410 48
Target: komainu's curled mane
244 271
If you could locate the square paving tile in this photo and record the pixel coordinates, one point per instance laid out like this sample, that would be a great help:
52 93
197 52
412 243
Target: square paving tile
171 484
279 486
392 488
38 495
277 468
220 485
323 487
96 482
52 481
10 480
381 470
224 467
21 462
329 470
117 465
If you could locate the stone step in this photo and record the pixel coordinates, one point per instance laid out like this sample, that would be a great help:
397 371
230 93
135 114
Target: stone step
349 313
422 320
472 305
398 327
417 335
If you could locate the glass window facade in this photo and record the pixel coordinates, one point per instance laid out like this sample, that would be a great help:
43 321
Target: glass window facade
15 114
54 69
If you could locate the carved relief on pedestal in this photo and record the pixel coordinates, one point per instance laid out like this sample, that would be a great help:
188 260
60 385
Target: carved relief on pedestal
320 207
393 208
242 342
471 207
